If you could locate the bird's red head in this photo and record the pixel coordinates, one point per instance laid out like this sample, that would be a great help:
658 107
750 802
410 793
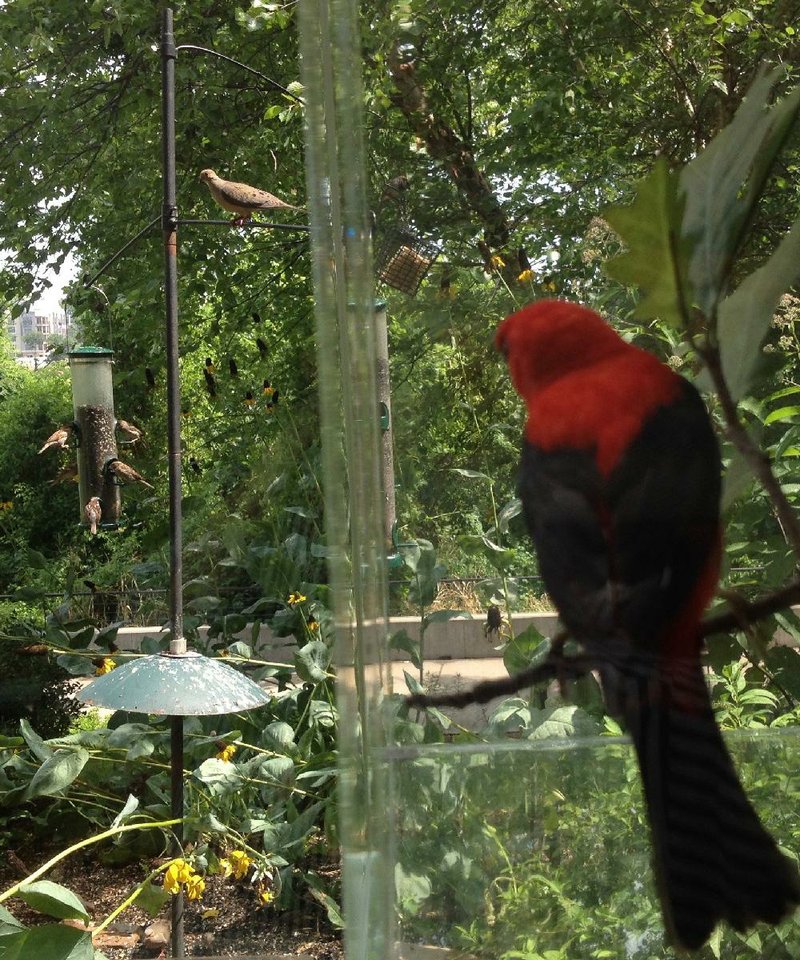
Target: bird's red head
550 338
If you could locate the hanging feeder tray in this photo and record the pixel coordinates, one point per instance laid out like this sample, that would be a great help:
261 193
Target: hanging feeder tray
403 259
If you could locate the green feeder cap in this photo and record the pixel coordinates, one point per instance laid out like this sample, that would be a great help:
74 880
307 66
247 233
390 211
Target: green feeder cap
79 352
178 685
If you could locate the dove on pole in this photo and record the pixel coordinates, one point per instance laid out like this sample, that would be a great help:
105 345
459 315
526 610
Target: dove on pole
241 198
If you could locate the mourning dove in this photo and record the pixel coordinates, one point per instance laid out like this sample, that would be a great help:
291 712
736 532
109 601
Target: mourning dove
93 513
241 198
58 439
125 473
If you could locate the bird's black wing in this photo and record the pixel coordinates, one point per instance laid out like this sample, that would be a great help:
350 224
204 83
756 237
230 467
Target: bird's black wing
620 555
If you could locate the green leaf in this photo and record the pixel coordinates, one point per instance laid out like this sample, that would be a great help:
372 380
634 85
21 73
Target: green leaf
9 923
414 686
278 736
54 900
75 665
57 773
401 640
412 889
656 258
784 664
568 721
716 204
782 415
131 805
152 898
737 479
443 616
240 649
312 662
745 316
472 474
36 745
321 894
507 513
525 650
49 942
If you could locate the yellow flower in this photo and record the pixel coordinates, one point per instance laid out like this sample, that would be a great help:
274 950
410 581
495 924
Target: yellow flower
105 667
525 276
240 863
497 261
225 866
313 626
195 886
265 894
178 872
295 598
226 754
6 504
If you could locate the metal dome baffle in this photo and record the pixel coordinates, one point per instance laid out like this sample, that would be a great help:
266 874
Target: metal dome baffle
177 684
93 413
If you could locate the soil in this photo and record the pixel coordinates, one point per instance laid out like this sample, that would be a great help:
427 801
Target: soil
227 922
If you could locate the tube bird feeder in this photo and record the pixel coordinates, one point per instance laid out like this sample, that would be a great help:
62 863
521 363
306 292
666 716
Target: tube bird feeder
93 412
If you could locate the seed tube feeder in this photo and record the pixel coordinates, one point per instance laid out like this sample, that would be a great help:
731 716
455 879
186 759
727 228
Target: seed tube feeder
93 413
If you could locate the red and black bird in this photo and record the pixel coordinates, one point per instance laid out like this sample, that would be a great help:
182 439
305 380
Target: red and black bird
620 487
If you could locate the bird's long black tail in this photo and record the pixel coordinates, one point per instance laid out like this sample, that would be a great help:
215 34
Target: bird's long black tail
713 858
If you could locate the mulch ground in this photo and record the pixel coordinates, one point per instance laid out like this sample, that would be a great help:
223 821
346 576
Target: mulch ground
234 924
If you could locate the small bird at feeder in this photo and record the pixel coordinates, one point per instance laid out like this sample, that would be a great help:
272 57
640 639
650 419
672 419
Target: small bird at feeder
241 198
133 433
232 368
124 473
249 399
67 474
273 400
194 465
93 513
210 365
268 389
59 439
262 348
211 383
394 190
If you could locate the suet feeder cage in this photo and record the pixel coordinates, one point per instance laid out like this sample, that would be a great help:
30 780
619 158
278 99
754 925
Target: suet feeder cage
93 412
403 259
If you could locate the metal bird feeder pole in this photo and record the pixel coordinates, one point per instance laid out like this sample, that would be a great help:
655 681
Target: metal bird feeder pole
93 413
179 682
169 227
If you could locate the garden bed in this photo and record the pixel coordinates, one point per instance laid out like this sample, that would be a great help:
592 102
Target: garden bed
227 922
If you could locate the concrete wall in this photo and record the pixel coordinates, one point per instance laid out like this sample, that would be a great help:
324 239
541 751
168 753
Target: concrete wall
458 639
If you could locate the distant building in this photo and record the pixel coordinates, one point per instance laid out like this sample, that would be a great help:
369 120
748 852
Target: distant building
33 335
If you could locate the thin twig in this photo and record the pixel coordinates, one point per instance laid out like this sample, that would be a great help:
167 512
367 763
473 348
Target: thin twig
758 460
561 667
751 612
